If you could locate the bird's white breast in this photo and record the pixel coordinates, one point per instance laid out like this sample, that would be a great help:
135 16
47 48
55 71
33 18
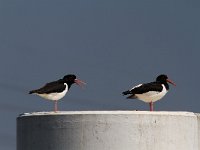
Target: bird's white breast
55 96
152 96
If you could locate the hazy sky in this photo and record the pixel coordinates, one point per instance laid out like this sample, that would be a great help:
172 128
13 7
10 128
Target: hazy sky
110 44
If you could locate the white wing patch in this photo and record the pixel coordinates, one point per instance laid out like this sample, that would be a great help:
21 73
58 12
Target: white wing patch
135 86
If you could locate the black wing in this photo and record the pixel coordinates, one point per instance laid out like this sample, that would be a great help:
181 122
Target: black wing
52 87
144 88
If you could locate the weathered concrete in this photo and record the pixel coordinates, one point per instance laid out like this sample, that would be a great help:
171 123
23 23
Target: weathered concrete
198 119
108 130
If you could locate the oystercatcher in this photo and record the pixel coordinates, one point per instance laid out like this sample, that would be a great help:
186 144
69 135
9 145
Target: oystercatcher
150 92
57 89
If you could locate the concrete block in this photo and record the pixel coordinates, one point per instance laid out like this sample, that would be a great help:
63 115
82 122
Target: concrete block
108 130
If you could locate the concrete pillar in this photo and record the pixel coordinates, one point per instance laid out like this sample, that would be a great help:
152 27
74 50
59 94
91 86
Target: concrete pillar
198 119
108 130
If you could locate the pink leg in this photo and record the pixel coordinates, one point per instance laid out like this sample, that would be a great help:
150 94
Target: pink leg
151 106
55 106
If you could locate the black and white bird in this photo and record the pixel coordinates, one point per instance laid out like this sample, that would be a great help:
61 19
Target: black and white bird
57 89
150 92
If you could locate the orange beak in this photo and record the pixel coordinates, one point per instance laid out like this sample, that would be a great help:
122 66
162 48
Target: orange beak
79 82
170 81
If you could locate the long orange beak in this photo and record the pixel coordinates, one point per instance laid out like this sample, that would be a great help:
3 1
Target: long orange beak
170 81
79 82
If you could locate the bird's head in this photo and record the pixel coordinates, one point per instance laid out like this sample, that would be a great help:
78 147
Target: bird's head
164 79
71 79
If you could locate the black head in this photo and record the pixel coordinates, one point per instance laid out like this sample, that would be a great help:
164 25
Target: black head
164 79
69 79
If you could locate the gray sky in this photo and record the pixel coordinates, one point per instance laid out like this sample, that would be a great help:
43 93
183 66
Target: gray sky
110 44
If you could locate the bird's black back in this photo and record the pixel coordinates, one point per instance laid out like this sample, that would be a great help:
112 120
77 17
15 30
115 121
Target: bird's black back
52 87
144 88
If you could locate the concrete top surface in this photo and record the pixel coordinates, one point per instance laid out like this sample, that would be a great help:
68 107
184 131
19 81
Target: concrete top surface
113 112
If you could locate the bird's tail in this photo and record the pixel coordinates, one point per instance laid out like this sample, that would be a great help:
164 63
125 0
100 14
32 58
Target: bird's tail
31 92
126 92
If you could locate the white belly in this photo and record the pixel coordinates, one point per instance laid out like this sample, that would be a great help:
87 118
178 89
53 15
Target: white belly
54 96
152 96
